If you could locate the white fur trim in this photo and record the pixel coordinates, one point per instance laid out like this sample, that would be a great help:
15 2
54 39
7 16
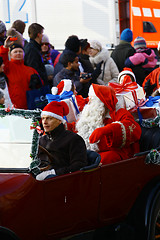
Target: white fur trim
44 174
123 133
91 92
125 72
52 115
67 85
54 90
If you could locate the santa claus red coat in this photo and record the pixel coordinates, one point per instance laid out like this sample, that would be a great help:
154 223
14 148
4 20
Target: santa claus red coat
119 137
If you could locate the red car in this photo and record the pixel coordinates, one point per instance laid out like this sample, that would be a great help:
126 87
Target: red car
123 196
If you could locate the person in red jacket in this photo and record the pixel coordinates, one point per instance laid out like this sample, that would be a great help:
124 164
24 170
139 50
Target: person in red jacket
112 133
21 78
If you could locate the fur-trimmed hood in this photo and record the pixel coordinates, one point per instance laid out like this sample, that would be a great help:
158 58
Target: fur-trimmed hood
100 56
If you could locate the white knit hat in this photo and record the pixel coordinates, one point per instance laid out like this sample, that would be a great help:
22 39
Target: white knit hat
96 45
45 39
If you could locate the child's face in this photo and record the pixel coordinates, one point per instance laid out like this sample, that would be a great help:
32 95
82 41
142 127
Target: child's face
50 77
2 100
2 68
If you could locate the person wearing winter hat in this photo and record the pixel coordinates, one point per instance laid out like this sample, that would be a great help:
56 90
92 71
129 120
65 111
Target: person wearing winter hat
124 73
127 35
140 43
67 149
100 55
21 78
45 50
112 133
95 46
2 32
124 49
72 44
144 58
15 34
49 55
66 90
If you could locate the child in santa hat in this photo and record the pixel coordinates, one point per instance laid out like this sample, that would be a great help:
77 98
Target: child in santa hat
67 149
126 73
66 91
113 133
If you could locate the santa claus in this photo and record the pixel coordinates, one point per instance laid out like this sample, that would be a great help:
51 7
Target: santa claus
112 133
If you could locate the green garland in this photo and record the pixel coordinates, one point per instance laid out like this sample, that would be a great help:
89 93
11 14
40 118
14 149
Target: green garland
150 123
35 115
153 157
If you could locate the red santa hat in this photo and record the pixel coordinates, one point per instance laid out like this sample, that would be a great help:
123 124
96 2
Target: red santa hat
56 109
64 85
126 71
106 94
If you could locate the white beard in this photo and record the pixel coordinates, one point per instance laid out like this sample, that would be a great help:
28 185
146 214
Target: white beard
89 119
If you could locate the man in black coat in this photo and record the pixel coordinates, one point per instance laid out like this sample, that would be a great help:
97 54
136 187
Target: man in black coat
67 149
32 51
124 49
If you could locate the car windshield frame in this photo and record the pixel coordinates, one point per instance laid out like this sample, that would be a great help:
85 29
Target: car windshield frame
35 116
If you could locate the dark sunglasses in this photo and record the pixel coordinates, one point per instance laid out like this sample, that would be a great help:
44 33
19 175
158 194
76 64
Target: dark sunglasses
47 44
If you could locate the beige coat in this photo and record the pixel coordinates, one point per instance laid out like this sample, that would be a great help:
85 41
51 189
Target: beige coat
108 67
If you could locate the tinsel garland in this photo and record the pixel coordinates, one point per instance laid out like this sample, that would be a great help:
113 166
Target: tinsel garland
153 157
150 123
35 115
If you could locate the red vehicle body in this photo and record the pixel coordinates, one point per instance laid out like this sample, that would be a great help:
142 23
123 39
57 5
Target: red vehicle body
81 201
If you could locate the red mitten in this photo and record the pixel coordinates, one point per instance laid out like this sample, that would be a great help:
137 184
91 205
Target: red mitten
99 132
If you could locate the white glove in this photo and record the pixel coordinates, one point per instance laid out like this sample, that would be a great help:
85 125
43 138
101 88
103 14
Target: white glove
44 174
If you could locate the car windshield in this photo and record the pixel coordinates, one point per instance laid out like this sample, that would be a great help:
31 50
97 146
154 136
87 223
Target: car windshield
16 139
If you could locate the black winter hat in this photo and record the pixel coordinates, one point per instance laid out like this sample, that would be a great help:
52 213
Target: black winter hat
84 44
73 43
15 45
1 61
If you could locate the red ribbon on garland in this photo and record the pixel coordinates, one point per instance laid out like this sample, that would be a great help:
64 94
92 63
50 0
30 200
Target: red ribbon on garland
37 127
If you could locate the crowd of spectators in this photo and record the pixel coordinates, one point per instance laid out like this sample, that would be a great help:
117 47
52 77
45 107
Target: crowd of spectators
90 69
83 61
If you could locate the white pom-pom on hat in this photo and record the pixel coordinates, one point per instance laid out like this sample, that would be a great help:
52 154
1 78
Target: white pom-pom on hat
64 85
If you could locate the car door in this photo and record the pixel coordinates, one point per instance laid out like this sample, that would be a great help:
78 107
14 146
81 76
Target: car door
71 202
